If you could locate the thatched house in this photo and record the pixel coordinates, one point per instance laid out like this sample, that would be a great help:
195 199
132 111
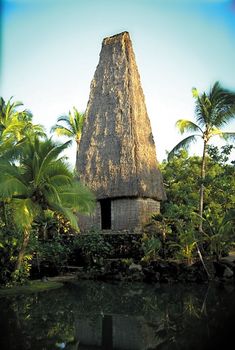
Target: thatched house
117 157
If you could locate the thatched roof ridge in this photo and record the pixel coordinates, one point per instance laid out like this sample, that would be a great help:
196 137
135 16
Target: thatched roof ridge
117 156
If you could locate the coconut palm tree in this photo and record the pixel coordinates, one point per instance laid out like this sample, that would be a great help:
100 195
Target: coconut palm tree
9 110
15 124
72 128
213 111
40 181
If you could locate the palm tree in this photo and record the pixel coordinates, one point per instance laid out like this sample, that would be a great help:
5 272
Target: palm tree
72 128
9 110
15 125
40 181
213 111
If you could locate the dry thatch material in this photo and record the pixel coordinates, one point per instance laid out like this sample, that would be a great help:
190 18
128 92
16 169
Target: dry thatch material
117 155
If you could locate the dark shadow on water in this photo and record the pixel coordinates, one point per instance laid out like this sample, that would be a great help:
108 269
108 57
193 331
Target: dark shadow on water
94 315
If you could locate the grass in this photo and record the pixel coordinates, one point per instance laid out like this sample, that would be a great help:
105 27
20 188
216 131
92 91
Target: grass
30 287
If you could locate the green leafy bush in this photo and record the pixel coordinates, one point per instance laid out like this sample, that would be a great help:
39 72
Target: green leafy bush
10 240
93 247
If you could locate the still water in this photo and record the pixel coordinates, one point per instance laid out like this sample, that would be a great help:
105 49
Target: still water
92 315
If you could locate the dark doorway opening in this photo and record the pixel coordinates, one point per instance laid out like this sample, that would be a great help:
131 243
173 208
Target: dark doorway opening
105 205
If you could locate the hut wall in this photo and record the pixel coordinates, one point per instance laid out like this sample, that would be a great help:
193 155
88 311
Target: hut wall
126 214
132 213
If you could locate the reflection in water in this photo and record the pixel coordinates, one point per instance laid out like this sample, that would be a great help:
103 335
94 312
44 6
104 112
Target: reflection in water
93 315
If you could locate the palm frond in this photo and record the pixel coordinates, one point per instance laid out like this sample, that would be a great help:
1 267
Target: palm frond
51 195
60 180
71 126
184 144
25 212
61 130
11 186
15 127
65 120
31 130
215 132
7 148
185 125
195 92
228 136
223 105
67 213
11 180
202 110
78 197
58 168
50 152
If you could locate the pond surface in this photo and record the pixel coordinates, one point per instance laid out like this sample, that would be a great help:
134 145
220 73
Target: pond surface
92 315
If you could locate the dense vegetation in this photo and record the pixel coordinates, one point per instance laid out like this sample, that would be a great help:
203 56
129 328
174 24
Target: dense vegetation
36 183
180 218
40 195
199 214
213 110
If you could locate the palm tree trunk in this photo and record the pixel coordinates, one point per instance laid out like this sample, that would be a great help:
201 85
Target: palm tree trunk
77 153
201 197
21 253
201 203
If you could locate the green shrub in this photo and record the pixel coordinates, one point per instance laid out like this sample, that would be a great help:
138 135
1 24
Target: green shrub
93 247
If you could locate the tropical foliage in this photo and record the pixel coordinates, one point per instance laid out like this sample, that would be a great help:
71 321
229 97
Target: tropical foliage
182 178
71 126
35 180
41 182
15 124
213 111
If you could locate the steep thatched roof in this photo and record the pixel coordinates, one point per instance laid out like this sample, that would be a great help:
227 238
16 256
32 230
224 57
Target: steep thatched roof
117 152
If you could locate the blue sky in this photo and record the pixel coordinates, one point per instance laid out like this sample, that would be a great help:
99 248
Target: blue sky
50 49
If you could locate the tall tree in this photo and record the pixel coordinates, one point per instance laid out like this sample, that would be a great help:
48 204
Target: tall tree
213 110
72 128
38 182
